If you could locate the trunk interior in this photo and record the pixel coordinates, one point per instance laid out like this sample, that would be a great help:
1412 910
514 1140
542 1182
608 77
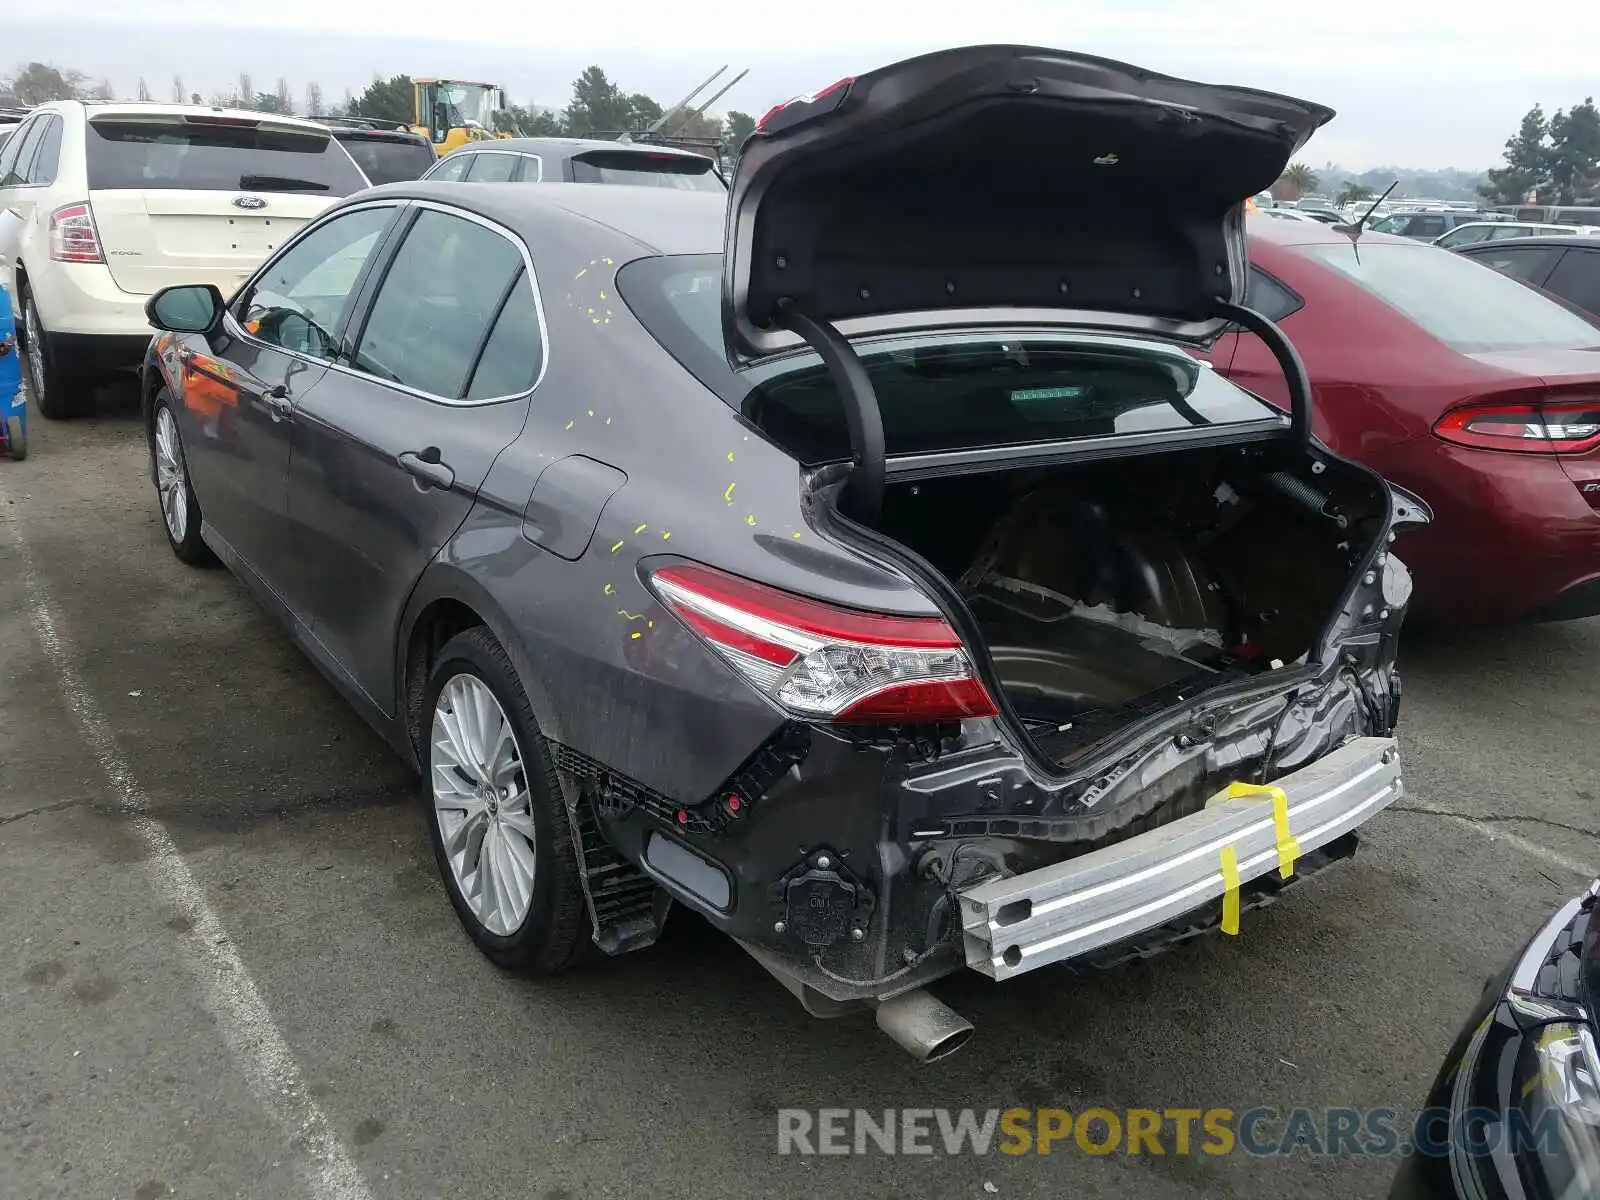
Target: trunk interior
1112 590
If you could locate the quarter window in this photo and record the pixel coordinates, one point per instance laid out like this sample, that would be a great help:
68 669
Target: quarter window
1269 297
301 300
442 293
42 171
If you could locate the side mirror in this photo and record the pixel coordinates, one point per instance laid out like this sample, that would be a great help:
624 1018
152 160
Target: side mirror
441 122
192 308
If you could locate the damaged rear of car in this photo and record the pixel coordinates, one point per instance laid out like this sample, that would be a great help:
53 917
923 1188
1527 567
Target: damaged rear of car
1152 678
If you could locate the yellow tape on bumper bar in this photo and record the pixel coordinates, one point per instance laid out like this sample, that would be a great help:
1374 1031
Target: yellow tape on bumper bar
1288 847
1230 894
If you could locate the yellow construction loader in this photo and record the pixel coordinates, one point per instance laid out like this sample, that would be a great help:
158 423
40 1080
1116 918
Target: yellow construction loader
452 112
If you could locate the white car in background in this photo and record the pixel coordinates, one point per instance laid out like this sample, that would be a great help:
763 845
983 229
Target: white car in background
122 199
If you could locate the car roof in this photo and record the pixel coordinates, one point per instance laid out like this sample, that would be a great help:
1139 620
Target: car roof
660 220
571 146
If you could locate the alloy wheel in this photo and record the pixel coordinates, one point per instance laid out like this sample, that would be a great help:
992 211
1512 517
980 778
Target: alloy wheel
482 805
30 325
171 483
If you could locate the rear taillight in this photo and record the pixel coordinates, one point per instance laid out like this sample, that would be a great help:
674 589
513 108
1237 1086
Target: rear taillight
803 108
822 663
1556 427
73 237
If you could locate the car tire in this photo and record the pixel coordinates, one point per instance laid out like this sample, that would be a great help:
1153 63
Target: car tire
16 439
180 511
50 391
496 816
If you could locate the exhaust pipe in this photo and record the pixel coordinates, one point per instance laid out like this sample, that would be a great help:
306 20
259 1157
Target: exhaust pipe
923 1026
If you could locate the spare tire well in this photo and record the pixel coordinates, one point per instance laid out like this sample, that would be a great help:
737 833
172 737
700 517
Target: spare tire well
440 621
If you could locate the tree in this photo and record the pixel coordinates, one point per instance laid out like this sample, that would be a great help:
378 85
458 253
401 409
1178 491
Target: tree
598 105
39 82
144 89
1296 181
179 95
385 100
1574 157
314 99
643 112
285 97
266 102
1353 193
104 90
247 91
685 122
736 127
1527 158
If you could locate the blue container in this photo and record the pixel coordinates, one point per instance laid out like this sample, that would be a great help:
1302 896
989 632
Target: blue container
13 397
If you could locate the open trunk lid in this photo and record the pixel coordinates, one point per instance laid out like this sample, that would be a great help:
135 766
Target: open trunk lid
197 198
1005 177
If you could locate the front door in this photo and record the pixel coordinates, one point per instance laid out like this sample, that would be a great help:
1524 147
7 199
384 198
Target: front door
238 400
390 450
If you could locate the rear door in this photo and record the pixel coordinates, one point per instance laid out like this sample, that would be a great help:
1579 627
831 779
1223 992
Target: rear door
32 168
237 394
194 198
389 450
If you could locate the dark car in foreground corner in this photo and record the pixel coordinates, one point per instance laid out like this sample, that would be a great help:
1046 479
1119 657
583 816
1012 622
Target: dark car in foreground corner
876 577
1476 393
1568 267
1515 1111
580 160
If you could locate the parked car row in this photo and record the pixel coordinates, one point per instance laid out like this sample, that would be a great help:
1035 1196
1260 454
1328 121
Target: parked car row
942 602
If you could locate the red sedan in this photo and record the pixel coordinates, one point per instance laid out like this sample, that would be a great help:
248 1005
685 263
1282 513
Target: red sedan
1457 383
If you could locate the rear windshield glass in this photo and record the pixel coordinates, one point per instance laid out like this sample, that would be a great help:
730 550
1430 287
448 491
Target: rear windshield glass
1464 304
384 161
685 172
185 155
944 391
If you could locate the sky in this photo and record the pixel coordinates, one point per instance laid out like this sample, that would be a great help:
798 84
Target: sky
1414 84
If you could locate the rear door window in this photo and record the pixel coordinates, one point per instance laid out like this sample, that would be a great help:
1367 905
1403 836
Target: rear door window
1577 278
643 168
224 154
41 172
1528 263
1455 300
18 155
511 358
1465 235
490 167
442 293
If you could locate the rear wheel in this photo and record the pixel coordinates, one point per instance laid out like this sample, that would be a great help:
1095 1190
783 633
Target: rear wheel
52 395
495 813
16 438
180 511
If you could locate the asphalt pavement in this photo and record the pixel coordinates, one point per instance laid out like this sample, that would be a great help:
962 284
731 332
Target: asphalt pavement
232 971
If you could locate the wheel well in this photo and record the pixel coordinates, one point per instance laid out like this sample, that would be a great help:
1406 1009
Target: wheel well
440 621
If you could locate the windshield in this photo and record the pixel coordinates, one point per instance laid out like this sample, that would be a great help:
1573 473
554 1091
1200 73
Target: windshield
186 155
389 161
1464 304
937 391
685 172
473 102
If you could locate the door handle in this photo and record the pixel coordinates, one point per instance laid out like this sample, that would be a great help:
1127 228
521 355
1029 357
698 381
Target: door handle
278 403
425 466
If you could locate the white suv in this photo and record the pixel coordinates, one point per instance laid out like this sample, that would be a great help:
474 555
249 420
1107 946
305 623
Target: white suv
123 199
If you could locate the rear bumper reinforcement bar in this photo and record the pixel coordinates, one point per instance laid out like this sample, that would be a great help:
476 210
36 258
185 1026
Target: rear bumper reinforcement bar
1013 925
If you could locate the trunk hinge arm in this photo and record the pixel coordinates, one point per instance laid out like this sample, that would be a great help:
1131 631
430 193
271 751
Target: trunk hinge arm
1294 370
862 499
